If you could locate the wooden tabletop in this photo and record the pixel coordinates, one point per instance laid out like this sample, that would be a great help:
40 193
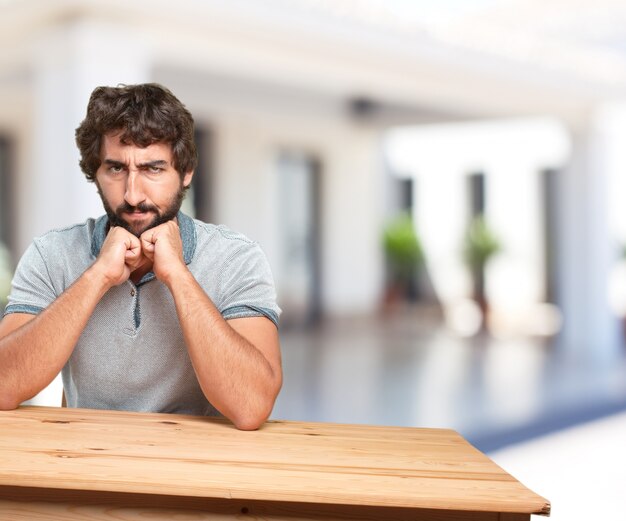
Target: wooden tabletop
175 455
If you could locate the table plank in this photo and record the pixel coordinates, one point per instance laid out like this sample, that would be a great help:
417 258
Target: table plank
30 505
283 462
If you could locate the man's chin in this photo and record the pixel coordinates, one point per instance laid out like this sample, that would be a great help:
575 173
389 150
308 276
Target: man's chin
136 228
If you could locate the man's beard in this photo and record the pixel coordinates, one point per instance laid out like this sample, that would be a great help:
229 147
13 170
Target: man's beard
116 218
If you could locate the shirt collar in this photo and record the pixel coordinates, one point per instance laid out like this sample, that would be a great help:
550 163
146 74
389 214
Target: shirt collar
185 224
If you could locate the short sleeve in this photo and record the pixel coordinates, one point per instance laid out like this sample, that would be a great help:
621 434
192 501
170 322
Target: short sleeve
247 288
31 289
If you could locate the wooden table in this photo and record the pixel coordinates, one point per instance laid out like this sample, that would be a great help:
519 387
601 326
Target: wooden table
84 464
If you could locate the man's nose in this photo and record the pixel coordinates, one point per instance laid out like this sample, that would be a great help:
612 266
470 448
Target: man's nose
134 190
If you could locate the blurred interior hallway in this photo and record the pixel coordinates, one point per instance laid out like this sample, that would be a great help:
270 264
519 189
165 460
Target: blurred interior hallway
407 369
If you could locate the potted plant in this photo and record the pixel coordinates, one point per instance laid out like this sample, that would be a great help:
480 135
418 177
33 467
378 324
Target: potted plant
404 256
481 244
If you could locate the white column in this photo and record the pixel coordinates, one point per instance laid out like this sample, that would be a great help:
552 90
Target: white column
353 210
585 249
69 62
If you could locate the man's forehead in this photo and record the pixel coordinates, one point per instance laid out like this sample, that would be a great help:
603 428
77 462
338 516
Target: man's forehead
112 145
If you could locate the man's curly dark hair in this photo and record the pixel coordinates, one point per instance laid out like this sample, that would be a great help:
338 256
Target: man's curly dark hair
143 114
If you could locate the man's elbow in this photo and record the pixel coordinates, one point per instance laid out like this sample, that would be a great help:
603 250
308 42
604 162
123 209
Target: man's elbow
248 423
8 402
253 419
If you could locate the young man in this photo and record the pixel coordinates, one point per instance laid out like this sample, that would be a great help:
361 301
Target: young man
144 308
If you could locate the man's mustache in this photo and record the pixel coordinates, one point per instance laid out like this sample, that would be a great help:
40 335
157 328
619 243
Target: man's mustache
141 207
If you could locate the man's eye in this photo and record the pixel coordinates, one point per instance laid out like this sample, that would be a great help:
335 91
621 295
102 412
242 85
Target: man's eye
116 169
155 170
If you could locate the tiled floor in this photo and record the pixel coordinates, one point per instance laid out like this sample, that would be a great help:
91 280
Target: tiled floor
407 369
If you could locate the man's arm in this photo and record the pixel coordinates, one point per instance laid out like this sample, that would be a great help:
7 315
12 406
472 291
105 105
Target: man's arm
237 363
33 349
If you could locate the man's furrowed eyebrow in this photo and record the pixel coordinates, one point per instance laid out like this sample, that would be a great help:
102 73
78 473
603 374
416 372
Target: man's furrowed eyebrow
146 164
113 162
156 162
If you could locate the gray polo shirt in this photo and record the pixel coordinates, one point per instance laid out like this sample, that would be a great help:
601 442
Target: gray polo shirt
132 355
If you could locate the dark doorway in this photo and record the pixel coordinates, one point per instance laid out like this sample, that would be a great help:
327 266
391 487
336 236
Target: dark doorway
201 191
549 200
299 198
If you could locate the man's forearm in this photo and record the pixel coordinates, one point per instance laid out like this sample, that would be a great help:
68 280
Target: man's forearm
33 354
234 375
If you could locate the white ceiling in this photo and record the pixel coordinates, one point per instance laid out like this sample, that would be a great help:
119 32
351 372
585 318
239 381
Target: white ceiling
586 38
467 58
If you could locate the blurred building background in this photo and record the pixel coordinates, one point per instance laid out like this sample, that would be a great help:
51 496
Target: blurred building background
493 127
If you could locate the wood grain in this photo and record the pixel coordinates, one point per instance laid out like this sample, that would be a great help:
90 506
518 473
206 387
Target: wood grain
284 463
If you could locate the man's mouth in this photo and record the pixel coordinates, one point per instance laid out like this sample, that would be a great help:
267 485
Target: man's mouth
135 215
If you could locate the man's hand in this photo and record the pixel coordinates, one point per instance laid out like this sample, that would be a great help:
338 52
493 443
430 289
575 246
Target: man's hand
163 246
120 255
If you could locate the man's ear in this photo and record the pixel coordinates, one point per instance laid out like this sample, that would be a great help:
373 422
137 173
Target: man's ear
187 178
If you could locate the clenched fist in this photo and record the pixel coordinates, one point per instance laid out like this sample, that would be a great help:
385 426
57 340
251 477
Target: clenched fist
159 248
119 256
163 246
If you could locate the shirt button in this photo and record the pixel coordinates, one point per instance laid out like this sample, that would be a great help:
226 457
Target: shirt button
132 292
